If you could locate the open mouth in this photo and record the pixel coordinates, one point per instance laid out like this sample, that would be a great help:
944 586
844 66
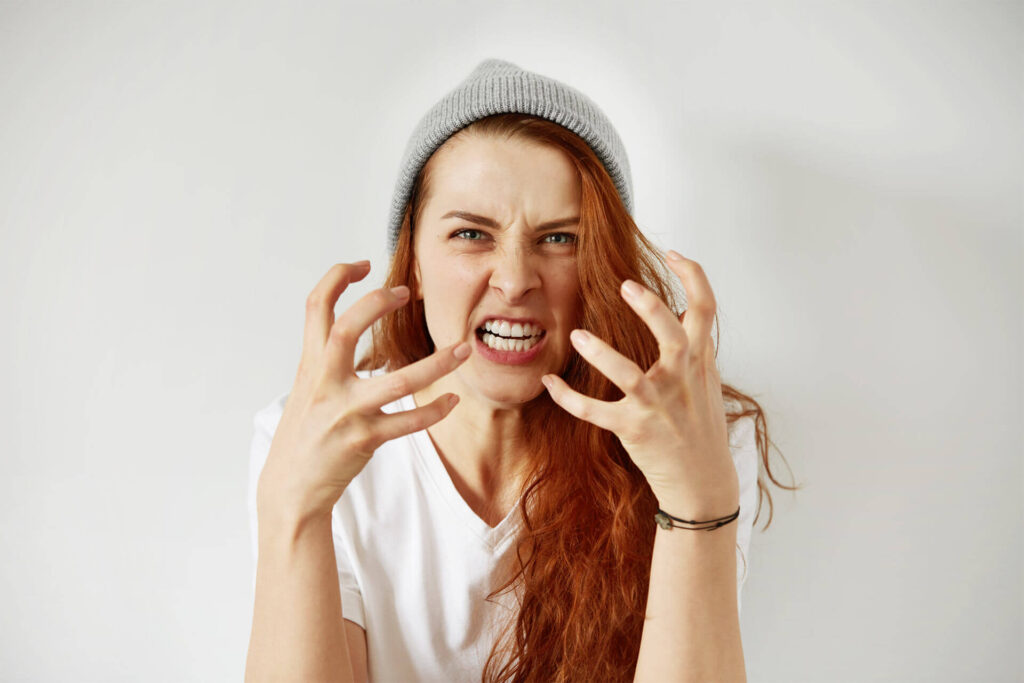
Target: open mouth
504 336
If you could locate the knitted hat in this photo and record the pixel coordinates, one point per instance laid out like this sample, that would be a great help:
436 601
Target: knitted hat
495 87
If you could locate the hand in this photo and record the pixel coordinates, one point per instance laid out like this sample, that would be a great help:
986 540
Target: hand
332 422
671 420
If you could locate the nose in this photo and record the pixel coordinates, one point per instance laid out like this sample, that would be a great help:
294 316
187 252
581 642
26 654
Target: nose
514 274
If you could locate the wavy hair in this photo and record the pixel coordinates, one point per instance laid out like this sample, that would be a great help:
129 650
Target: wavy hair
583 554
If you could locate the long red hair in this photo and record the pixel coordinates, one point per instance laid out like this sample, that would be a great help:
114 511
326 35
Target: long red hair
583 556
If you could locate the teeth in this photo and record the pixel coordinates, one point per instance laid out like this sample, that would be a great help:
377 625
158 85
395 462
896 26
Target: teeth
506 329
496 342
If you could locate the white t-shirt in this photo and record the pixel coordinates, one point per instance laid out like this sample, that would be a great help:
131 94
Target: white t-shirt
415 563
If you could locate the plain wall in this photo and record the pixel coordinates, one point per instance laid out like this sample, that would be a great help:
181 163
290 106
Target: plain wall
176 177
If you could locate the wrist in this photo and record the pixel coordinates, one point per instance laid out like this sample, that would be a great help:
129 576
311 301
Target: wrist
284 526
283 508
690 507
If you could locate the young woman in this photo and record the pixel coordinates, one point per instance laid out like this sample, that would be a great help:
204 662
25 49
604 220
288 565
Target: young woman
535 472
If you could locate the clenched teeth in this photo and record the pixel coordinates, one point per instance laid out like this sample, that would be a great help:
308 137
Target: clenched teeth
503 344
506 329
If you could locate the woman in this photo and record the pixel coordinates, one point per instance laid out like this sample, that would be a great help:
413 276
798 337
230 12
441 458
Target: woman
489 493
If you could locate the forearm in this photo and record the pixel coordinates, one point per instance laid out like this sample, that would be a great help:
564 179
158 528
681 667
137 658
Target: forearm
692 628
297 628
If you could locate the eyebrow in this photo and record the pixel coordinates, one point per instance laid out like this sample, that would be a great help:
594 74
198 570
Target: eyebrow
491 223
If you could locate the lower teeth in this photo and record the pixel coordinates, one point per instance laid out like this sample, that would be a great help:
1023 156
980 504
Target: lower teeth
503 344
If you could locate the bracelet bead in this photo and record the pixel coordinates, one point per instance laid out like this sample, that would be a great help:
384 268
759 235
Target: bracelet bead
665 521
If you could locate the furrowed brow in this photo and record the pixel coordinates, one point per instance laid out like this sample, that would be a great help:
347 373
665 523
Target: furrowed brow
491 223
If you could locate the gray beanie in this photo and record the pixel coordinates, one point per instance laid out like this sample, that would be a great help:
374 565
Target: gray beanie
495 87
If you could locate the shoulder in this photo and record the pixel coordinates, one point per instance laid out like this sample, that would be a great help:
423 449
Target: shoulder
742 431
743 439
741 426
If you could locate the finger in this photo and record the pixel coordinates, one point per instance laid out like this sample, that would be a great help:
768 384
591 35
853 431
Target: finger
623 372
700 299
662 322
383 389
320 304
393 425
600 413
341 342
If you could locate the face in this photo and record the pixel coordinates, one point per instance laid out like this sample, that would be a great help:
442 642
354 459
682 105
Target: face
491 271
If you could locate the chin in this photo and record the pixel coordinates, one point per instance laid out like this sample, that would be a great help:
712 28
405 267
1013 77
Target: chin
513 393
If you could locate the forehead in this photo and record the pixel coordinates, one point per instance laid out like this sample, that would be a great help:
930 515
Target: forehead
504 179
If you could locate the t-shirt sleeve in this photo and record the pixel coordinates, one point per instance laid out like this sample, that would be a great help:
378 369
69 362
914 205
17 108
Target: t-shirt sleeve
743 445
264 425
351 593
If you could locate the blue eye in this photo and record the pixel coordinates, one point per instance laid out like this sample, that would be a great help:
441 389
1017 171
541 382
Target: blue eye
467 230
474 235
569 235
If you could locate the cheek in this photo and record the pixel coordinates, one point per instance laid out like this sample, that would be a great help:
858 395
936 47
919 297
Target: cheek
563 293
445 276
449 292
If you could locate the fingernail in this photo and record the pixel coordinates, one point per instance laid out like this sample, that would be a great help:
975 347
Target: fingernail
631 288
546 381
674 255
401 291
362 264
453 399
579 337
462 350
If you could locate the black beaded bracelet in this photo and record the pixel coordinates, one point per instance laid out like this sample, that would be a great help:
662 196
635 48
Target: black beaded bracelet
664 520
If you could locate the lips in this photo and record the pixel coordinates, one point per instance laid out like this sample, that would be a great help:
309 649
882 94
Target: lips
509 351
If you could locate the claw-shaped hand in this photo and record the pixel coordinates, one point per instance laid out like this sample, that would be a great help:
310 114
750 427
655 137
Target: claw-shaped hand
671 420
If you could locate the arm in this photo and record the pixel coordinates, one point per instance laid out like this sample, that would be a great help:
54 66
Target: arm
673 424
298 632
328 429
692 628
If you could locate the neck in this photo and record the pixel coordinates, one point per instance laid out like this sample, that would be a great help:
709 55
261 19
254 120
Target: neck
480 445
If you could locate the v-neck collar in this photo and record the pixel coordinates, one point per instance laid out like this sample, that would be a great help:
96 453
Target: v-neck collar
426 453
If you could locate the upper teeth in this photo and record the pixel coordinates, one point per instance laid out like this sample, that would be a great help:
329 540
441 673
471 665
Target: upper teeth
506 329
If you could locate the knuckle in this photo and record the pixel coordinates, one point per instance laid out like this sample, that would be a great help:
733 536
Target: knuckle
631 431
359 436
315 301
380 298
637 383
706 305
343 334
649 302
692 266
697 357
675 349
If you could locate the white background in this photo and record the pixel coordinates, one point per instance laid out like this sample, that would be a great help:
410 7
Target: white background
176 177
